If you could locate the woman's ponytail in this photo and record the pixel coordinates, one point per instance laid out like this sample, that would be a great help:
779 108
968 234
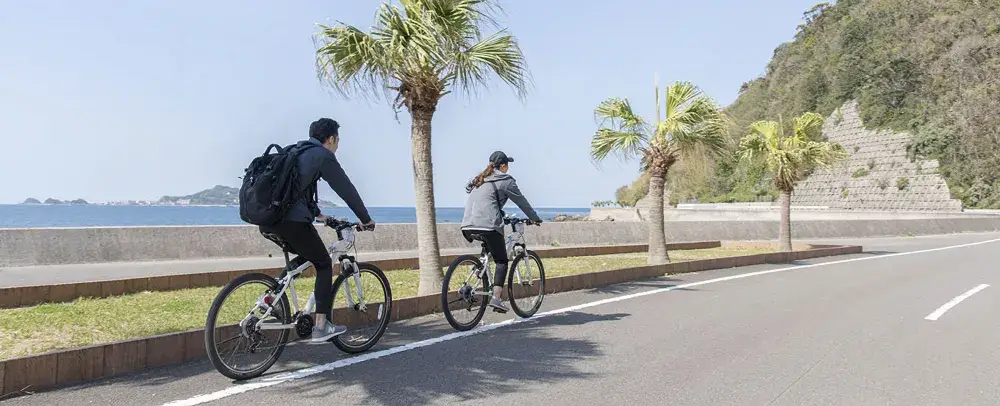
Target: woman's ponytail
481 178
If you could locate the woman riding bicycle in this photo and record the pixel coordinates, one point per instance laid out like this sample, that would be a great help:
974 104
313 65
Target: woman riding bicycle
488 193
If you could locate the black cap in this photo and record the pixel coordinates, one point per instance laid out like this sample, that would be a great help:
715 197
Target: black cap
499 158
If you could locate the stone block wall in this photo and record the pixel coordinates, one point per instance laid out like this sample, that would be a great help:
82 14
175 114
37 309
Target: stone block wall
877 175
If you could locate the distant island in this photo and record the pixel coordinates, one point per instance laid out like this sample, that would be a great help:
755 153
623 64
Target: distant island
50 200
217 196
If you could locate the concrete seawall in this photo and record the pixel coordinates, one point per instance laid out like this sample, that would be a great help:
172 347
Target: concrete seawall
56 246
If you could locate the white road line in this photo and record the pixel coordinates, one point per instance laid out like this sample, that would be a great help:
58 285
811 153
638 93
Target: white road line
947 306
302 373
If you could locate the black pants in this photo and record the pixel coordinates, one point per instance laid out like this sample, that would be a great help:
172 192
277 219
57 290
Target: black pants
304 241
495 244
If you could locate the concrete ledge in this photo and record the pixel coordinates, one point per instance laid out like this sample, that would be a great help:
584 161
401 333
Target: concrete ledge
61 246
56 246
22 296
60 368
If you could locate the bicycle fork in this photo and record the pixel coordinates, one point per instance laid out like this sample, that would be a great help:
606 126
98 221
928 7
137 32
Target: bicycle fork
355 275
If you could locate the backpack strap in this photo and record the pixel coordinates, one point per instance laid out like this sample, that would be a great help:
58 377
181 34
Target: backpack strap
276 147
311 189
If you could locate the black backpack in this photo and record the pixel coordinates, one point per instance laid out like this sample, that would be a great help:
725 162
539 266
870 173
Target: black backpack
270 185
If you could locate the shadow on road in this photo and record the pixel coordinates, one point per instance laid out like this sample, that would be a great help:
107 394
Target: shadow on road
474 367
638 286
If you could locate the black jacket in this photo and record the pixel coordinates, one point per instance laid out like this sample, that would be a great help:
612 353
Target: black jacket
316 163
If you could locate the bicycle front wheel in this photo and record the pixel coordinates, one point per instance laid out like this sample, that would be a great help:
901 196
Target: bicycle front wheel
526 284
462 299
237 348
366 311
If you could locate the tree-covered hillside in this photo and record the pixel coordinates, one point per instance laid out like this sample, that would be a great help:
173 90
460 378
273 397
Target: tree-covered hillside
927 67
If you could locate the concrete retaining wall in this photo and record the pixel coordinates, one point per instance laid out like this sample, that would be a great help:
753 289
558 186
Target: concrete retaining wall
51 246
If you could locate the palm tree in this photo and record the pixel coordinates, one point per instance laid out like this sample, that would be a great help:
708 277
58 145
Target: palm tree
691 123
415 55
789 159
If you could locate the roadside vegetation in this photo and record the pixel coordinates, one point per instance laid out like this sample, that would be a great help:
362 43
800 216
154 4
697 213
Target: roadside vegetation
83 322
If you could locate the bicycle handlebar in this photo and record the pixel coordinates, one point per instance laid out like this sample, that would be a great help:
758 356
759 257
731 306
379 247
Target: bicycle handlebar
339 225
515 220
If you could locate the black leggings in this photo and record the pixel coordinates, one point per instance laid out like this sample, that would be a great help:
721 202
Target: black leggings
495 244
304 241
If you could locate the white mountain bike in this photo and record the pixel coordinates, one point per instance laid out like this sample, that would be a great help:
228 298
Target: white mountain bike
468 282
259 325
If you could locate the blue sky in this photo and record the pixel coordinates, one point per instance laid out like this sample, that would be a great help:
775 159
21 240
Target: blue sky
114 100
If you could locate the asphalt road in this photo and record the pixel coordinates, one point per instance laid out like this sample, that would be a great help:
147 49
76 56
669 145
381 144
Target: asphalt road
849 330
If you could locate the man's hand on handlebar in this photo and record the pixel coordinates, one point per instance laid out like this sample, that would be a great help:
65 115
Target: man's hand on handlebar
369 226
534 222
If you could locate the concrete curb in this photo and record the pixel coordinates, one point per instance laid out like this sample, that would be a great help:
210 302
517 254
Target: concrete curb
60 368
22 296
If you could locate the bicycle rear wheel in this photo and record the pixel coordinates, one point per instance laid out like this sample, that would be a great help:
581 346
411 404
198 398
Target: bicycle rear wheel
366 319
235 324
462 305
526 284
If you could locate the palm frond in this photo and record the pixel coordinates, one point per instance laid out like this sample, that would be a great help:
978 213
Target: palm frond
352 61
808 126
461 19
692 122
625 145
499 54
678 94
420 48
752 148
789 159
618 113
621 131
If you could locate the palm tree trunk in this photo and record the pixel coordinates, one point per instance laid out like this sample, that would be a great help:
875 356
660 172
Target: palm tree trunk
785 232
423 182
657 233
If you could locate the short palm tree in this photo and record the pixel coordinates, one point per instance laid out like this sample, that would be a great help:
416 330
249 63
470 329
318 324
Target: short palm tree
691 123
414 55
789 159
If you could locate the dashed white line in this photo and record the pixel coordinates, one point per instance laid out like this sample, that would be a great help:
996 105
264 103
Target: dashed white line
947 306
302 373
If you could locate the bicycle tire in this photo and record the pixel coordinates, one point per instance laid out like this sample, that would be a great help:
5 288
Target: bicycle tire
445 306
525 313
386 311
210 325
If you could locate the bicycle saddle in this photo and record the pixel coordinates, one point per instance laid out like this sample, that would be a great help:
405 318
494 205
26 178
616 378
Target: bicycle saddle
276 239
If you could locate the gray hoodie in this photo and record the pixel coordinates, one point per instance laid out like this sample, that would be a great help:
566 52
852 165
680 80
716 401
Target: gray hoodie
482 210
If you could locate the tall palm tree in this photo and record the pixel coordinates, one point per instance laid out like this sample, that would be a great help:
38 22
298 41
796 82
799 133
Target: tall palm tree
414 55
789 159
691 123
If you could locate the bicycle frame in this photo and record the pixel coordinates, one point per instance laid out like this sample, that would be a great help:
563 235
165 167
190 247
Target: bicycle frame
339 250
514 245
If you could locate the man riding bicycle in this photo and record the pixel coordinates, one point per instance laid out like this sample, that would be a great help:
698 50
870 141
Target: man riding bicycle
488 193
297 229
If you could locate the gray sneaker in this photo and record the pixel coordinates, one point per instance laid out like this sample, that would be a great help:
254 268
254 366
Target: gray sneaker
322 335
498 305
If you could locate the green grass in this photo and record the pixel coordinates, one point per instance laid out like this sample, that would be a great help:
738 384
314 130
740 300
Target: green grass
83 322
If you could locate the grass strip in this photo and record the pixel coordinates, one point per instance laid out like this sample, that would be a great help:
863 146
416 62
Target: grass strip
90 321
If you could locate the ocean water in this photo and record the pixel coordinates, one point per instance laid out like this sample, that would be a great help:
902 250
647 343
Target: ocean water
36 216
